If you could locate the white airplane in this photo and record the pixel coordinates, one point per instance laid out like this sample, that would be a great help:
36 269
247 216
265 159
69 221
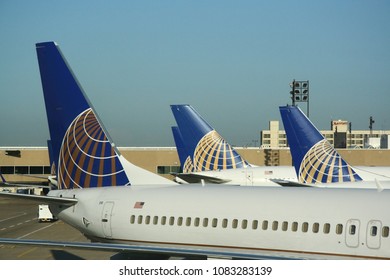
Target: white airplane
205 155
98 196
317 163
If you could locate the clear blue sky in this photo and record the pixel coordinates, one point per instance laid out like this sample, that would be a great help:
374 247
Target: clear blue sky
232 60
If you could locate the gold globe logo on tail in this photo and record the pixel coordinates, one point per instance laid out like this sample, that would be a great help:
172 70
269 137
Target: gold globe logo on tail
323 164
87 158
214 153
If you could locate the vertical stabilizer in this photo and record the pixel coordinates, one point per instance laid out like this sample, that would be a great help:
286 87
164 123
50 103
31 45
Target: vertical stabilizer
83 152
314 158
207 149
185 159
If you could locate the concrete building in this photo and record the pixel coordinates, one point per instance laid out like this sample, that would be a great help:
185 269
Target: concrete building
339 136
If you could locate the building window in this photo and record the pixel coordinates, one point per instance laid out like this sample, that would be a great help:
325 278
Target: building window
168 169
36 169
7 169
21 170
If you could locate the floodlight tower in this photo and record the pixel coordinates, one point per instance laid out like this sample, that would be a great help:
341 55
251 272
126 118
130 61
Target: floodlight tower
300 93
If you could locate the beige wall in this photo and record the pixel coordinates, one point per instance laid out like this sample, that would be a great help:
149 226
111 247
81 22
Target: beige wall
150 158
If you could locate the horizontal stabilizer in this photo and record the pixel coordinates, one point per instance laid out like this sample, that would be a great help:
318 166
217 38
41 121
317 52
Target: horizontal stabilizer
41 199
192 178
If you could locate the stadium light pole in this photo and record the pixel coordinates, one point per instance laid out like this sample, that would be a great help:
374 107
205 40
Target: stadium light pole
300 93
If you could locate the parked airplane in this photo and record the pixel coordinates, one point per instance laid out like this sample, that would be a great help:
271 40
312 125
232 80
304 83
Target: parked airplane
317 162
205 155
198 145
98 196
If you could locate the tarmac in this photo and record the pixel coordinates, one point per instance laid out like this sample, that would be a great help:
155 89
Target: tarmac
19 220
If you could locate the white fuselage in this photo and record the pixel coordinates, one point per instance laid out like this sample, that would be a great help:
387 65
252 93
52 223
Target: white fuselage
331 223
263 175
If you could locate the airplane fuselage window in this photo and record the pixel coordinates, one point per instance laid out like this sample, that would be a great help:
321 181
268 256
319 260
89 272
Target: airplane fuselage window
374 231
339 229
294 226
188 221
326 228
305 227
316 227
352 230
243 224
255 224
385 231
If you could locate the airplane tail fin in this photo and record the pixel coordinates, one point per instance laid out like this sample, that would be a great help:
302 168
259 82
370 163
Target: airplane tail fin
314 158
207 149
185 159
84 153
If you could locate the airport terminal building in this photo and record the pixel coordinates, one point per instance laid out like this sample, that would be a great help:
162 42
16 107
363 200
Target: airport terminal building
339 136
31 164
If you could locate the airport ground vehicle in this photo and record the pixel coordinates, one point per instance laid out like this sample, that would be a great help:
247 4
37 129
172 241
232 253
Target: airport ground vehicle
44 214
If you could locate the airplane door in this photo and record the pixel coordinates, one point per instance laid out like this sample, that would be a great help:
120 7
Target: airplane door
352 233
106 218
374 234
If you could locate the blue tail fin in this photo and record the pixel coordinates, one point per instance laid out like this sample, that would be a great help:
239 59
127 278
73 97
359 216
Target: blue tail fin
207 149
83 152
185 159
315 160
